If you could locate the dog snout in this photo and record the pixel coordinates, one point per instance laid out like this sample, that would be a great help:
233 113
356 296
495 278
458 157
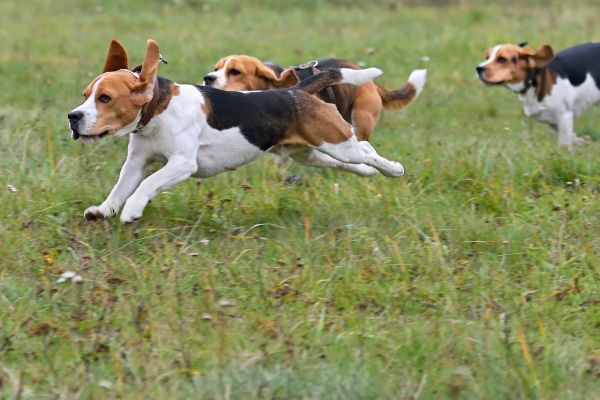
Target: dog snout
209 79
480 70
75 116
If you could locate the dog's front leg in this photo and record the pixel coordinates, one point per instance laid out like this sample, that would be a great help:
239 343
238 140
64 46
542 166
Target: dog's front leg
130 177
566 136
177 169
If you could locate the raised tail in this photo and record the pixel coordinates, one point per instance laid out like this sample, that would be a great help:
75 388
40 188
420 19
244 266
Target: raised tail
402 97
320 81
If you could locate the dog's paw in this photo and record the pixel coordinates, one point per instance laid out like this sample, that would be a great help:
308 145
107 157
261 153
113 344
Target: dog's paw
132 211
396 170
95 213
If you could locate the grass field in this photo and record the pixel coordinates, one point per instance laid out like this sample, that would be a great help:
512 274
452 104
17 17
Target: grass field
476 275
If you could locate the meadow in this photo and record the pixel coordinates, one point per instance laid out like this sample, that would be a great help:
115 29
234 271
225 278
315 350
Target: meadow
474 276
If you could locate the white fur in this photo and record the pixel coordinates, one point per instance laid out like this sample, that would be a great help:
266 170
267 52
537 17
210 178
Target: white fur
559 109
418 78
89 110
359 76
492 56
181 138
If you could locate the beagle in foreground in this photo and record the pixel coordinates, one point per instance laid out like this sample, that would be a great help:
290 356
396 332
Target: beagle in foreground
553 88
201 131
359 105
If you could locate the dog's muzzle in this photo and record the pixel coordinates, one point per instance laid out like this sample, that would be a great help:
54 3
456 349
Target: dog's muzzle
74 119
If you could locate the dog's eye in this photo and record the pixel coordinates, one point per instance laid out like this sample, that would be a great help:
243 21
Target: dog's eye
104 98
501 60
234 72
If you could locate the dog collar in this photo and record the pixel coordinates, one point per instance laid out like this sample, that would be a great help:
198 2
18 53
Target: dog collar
149 109
530 81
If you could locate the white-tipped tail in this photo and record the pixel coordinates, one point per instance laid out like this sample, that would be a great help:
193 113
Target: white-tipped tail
418 78
359 76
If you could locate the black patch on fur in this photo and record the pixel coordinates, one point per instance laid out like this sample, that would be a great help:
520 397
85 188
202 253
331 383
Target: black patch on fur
315 83
164 88
263 117
576 62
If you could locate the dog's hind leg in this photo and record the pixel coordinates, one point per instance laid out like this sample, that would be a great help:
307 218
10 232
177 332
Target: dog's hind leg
314 158
355 152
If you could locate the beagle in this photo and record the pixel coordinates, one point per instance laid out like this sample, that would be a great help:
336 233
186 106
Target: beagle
553 88
202 131
360 105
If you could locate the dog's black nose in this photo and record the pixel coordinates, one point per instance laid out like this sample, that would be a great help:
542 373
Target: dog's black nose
480 69
208 79
75 116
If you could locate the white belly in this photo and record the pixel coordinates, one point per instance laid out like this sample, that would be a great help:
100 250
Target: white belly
220 151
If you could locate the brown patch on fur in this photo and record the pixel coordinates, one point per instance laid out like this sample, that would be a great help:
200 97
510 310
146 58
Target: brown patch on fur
165 99
122 109
367 108
399 98
116 58
545 82
249 73
316 123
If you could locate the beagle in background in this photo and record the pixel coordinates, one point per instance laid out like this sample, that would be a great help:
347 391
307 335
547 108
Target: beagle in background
553 88
360 105
202 131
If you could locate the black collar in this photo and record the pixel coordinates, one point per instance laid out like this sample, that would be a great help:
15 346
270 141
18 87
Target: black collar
530 80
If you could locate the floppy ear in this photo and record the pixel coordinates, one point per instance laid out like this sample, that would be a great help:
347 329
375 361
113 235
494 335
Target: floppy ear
145 86
543 56
539 58
288 77
116 58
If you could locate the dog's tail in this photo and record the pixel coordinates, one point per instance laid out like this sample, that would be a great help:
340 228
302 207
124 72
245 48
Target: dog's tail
400 98
320 81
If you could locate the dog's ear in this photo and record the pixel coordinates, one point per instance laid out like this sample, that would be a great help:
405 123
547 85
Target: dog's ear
543 56
539 58
143 89
288 77
116 58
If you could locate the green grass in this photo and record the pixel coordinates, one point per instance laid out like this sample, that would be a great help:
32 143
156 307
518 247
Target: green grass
474 276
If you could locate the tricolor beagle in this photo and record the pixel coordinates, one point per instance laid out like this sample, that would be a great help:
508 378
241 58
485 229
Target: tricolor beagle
360 105
553 89
201 131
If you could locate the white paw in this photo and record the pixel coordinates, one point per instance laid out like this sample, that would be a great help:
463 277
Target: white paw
102 211
396 170
132 211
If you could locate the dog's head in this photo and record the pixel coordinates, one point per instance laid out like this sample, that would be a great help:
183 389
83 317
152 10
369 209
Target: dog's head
114 99
507 64
248 73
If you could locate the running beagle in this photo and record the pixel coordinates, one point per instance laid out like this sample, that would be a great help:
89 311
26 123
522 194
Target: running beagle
359 105
202 131
553 88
